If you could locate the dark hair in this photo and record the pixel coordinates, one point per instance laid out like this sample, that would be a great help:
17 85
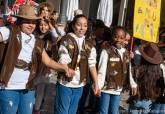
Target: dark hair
149 80
77 17
38 24
45 4
116 29
72 23
97 24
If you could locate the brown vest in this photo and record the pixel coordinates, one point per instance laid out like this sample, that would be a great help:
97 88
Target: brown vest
12 53
116 68
71 45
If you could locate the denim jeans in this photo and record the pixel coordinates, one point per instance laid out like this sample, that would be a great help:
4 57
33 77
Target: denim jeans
67 99
16 101
109 103
158 108
140 107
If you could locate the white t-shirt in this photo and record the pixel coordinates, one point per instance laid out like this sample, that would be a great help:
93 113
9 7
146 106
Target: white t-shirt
19 77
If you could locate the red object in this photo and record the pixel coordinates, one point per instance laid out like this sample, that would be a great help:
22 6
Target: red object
131 48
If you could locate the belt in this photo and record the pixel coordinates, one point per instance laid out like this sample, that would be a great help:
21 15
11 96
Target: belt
21 64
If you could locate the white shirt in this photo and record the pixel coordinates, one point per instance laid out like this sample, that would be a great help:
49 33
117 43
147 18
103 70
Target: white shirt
5 33
102 67
19 77
64 58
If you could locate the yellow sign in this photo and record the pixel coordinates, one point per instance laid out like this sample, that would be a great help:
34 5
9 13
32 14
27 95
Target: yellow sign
147 20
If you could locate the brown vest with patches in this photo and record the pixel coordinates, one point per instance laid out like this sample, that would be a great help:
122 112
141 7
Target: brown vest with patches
12 53
70 43
116 68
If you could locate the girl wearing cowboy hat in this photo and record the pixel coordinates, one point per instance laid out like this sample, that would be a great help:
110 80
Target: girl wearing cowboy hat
147 96
24 53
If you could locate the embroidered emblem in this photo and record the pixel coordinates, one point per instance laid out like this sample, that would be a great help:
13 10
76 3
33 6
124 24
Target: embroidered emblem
114 59
71 46
113 64
87 47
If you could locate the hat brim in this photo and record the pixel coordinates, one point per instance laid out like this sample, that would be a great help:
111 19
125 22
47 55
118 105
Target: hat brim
27 17
157 59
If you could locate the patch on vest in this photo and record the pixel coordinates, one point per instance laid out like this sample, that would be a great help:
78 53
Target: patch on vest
71 46
113 64
87 47
114 59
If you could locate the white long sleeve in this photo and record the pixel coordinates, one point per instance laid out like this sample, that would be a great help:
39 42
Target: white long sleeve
64 57
132 82
162 66
92 58
102 66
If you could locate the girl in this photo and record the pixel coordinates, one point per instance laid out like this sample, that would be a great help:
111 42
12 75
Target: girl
76 51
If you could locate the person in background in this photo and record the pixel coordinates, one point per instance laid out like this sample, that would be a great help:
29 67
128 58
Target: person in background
147 94
45 10
23 56
44 30
79 53
112 72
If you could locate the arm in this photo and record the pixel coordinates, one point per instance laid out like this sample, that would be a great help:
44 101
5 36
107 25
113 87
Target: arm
4 33
92 68
1 38
162 66
54 65
132 82
102 67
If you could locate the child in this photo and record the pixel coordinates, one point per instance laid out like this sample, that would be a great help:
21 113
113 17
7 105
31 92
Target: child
112 72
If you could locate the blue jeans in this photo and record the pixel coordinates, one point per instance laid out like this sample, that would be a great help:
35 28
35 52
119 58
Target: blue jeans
109 103
140 107
158 108
67 99
16 101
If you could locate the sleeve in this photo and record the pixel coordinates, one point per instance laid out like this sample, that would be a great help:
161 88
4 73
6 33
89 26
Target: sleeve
102 67
64 57
162 66
54 33
5 32
61 31
132 82
92 58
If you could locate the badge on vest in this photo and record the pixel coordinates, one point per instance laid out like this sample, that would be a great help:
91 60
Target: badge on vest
71 46
113 59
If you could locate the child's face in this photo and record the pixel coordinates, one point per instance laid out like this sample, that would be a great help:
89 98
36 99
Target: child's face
80 27
45 12
43 26
119 38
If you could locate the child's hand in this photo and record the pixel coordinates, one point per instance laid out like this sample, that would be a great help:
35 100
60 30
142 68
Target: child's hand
131 55
96 90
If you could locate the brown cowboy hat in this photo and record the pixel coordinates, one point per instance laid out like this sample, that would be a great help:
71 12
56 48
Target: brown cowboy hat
150 52
27 11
